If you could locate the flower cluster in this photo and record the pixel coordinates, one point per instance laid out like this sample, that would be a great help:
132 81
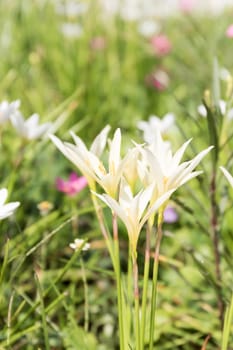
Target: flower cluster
137 185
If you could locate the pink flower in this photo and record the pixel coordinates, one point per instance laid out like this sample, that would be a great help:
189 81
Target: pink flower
161 44
170 215
158 80
229 31
187 5
73 185
98 43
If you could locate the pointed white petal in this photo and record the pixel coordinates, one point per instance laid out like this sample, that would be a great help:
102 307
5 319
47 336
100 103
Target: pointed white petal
179 154
99 142
227 175
144 198
188 177
115 150
79 142
17 121
158 203
8 209
195 161
114 205
32 121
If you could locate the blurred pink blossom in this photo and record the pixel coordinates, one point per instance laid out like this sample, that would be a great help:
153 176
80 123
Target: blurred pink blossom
159 80
170 215
73 185
187 5
98 43
229 31
161 44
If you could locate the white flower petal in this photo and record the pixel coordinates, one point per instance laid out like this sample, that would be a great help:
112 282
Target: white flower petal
99 142
227 175
202 111
114 154
179 154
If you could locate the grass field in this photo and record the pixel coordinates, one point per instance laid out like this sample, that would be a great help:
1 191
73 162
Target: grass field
156 271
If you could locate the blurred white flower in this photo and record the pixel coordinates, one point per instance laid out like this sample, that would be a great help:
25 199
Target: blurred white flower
84 159
202 111
7 109
129 11
6 209
71 8
29 129
148 28
224 74
155 123
160 165
227 175
78 243
71 30
222 107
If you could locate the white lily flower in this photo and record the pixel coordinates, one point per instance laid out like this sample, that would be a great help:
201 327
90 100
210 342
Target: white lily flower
72 30
155 123
134 211
29 129
7 109
84 159
160 165
148 27
71 8
227 175
6 209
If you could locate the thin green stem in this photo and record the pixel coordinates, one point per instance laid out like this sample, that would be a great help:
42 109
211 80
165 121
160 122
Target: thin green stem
117 269
155 278
103 228
145 284
130 298
115 257
136 304
9 317
215 240
100 218
86 303
227 325
43 314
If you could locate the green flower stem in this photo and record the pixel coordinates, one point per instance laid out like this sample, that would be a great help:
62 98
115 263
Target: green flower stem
216 243
86 303
74 222
100 218
155 277
103 228
117 268
136 303
114 254
145 283
130 298
227 325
